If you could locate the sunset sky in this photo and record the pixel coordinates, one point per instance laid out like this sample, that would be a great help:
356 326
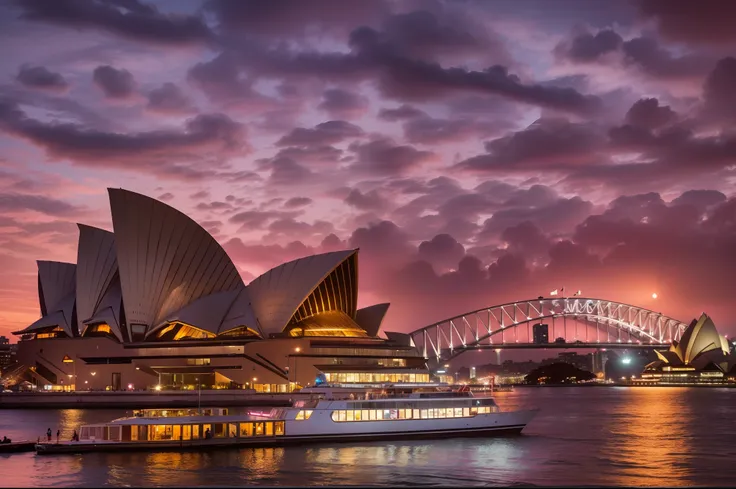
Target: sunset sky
477 152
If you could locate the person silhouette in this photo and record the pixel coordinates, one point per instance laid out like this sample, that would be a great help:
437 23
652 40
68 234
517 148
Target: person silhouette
58 433
48 434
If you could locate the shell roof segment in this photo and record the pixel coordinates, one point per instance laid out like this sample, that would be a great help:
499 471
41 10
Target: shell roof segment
277 294
166 260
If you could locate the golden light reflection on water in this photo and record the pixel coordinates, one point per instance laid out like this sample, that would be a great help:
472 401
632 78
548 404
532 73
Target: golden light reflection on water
649 438
582 436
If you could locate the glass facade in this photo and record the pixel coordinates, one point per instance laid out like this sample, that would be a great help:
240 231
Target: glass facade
179 432
367 377
399 414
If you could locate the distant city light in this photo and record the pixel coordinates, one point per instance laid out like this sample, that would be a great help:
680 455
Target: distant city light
626 360
654 295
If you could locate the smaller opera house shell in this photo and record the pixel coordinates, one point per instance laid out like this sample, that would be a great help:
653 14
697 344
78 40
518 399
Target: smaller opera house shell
702 356
159 302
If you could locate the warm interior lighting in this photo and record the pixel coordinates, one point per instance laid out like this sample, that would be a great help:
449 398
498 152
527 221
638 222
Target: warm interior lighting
654 295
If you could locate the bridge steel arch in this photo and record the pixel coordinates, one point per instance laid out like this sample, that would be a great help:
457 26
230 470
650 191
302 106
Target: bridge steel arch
489 326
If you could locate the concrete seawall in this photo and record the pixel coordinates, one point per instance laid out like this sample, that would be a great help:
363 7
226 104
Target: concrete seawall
141 399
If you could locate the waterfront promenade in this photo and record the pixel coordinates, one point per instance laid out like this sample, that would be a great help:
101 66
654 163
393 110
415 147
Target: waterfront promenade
142 399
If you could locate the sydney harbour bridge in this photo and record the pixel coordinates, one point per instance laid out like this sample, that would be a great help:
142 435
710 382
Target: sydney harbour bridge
574 322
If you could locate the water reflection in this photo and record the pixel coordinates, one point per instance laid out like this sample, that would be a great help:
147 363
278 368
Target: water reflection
583 436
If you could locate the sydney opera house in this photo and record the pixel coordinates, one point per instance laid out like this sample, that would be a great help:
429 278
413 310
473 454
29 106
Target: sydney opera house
702 356
158 302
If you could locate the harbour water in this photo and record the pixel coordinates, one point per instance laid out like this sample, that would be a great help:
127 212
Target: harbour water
583 436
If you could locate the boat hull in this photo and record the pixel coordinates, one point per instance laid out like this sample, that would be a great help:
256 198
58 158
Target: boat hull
17 447
516 425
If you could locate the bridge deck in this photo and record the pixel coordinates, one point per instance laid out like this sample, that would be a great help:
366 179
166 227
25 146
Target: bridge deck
564 346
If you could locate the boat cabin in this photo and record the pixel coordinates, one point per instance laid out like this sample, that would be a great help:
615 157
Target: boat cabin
171 413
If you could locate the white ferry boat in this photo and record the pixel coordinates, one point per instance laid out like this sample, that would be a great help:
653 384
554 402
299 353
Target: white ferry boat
376 415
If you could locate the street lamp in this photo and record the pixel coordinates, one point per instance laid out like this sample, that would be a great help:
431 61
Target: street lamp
296 360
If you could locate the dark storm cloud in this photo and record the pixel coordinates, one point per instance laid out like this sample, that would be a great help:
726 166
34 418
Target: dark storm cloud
719 93
366 201
643 53
285 171
442 251
14 202
326 133
430 35
296 202
708 22
340 103
224 82
115 83
400 113
526 239
168 98
293 17
151 151
702 200
547 143
385 157
587 47
41 78
652 59
130 19
403 77
557 217
649 114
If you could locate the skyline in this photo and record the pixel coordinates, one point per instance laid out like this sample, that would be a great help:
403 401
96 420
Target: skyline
476 152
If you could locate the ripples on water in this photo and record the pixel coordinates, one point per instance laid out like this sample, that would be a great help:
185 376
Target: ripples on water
582 436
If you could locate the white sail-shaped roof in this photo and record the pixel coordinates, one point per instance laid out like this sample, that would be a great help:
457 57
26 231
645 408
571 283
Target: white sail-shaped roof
96 267
109 309
56 280
165 259
704 338
277 294
370 318
241 314
206 313
56 289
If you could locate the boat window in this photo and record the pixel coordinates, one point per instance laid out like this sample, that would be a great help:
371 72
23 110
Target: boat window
278 428
160 432
259 429
205 428
195 432
220 430
233 430
116 433
133 431
269 429
176 432
186 431
302 415
350 415
246 429
466 412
